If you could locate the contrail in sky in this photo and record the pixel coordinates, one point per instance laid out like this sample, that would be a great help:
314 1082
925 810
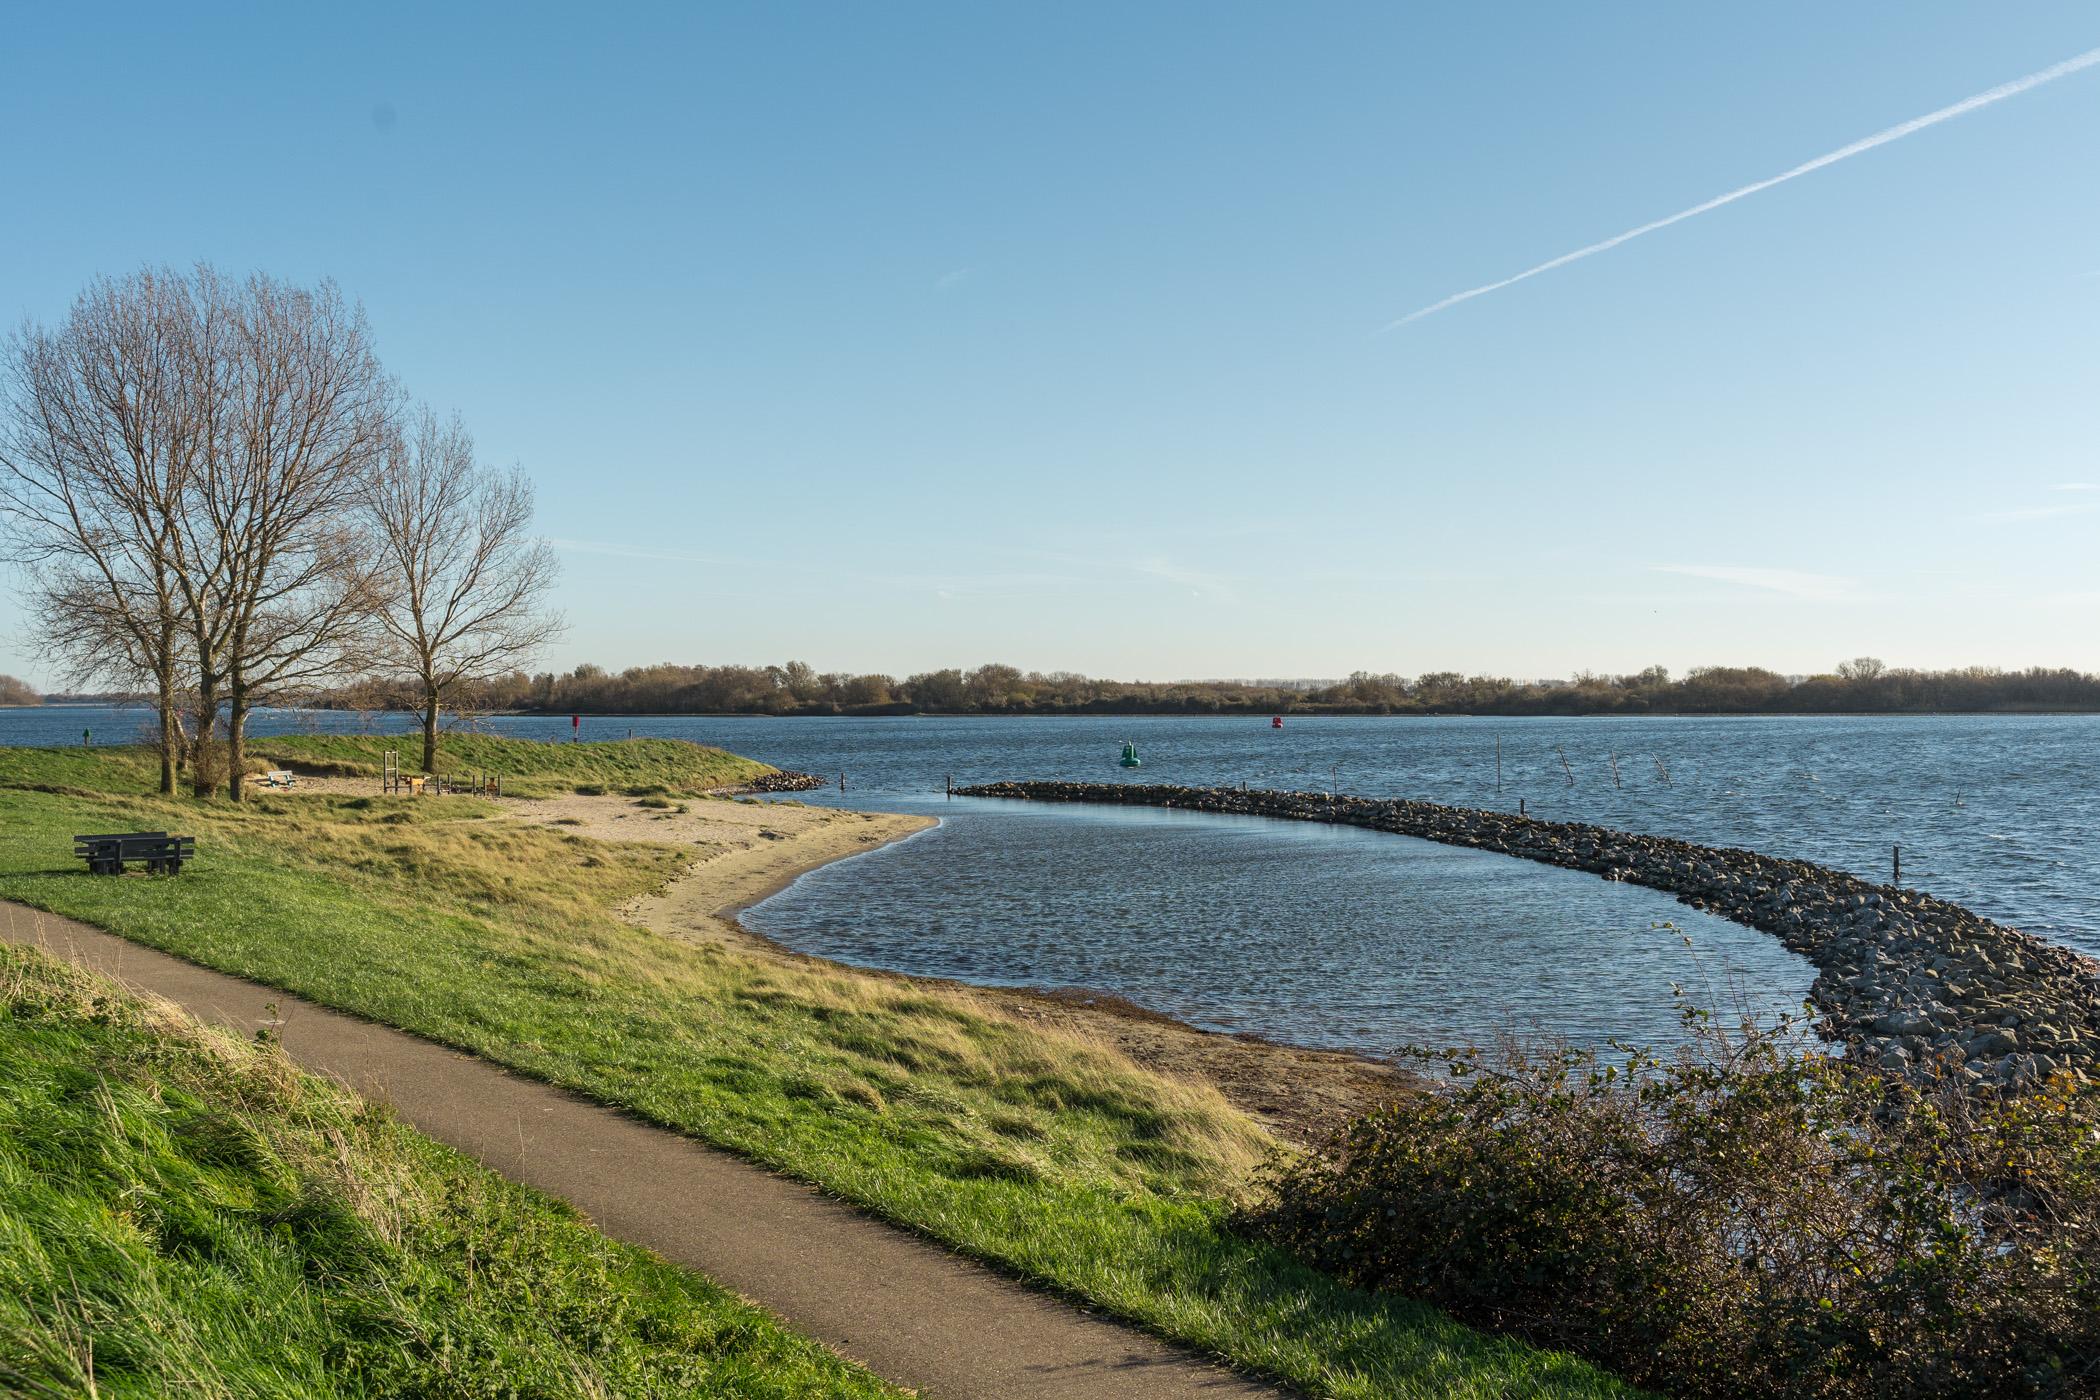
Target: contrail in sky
1879 138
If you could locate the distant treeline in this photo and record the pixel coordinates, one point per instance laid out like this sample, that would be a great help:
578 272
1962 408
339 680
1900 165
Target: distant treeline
1863 686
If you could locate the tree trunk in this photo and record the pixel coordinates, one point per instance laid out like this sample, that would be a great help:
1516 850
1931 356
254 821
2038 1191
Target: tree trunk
204 769
170 739
170 721
430 728
236 734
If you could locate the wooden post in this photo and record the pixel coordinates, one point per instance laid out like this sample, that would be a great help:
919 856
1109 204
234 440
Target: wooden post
1520 806
1564 764
951 786
1896 857
1498 765
842 780
1614 770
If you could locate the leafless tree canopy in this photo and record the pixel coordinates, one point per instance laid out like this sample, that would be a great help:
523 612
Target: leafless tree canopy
206 487
101 434
302 412
464 576
208 490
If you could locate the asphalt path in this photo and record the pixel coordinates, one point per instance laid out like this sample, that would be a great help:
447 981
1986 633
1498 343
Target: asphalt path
905 1308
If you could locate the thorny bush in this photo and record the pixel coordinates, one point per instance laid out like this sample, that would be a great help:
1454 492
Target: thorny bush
1743 1217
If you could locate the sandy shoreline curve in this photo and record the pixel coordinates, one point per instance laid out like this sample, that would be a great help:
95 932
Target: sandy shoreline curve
748 850
743 849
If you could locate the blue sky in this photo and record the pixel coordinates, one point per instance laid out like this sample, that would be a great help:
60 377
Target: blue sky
908 335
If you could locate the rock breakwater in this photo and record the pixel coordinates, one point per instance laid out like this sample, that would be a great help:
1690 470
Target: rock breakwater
785 781
1912 983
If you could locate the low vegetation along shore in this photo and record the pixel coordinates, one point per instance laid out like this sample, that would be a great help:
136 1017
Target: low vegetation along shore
1860 686
1030 1143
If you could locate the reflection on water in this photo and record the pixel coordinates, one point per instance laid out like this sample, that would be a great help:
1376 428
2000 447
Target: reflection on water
1320 935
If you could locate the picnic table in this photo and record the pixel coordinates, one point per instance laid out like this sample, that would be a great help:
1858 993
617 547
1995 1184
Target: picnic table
163 854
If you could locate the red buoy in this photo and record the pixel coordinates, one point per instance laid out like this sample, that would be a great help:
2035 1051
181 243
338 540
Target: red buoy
1276 722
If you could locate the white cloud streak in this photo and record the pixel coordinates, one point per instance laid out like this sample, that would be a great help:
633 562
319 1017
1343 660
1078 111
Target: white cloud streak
1880 138
1791 582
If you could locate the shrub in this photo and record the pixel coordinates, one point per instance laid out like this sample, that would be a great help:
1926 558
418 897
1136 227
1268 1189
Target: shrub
1742 1218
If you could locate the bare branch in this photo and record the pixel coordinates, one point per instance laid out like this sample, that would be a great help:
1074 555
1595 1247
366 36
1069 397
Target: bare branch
464 577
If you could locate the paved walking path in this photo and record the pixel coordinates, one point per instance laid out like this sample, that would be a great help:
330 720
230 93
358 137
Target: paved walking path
905 1308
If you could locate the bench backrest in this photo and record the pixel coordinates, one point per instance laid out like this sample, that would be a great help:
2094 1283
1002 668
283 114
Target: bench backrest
135 845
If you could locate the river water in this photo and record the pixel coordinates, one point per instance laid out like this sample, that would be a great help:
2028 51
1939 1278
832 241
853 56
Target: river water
1361 939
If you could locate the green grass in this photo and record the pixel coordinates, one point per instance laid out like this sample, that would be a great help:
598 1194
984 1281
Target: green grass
529 768
1057 1159
182 1213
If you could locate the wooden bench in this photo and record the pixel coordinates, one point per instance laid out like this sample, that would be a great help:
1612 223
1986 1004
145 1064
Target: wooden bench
163 854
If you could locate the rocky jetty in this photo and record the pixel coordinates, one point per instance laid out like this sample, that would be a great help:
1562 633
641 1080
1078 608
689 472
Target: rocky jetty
1906 981
785 781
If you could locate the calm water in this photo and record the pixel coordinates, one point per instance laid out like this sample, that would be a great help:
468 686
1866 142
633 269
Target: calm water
1363 939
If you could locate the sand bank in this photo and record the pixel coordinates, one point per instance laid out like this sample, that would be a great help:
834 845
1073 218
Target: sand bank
754 849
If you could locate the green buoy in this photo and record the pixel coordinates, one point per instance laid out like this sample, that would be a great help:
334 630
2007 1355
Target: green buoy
1130 758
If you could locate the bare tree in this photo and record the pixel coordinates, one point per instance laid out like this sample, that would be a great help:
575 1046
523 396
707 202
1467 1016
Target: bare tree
100 433
281 588
465 577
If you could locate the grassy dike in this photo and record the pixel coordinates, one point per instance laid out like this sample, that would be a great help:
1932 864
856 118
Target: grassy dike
185 1213
529 769
1057 1159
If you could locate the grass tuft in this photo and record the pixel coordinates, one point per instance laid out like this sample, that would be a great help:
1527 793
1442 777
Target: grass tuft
182 1213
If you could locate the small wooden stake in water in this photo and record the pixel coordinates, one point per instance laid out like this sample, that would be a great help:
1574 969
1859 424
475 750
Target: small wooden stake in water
842 782
1498 765
1520 806
1896 855
951 786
